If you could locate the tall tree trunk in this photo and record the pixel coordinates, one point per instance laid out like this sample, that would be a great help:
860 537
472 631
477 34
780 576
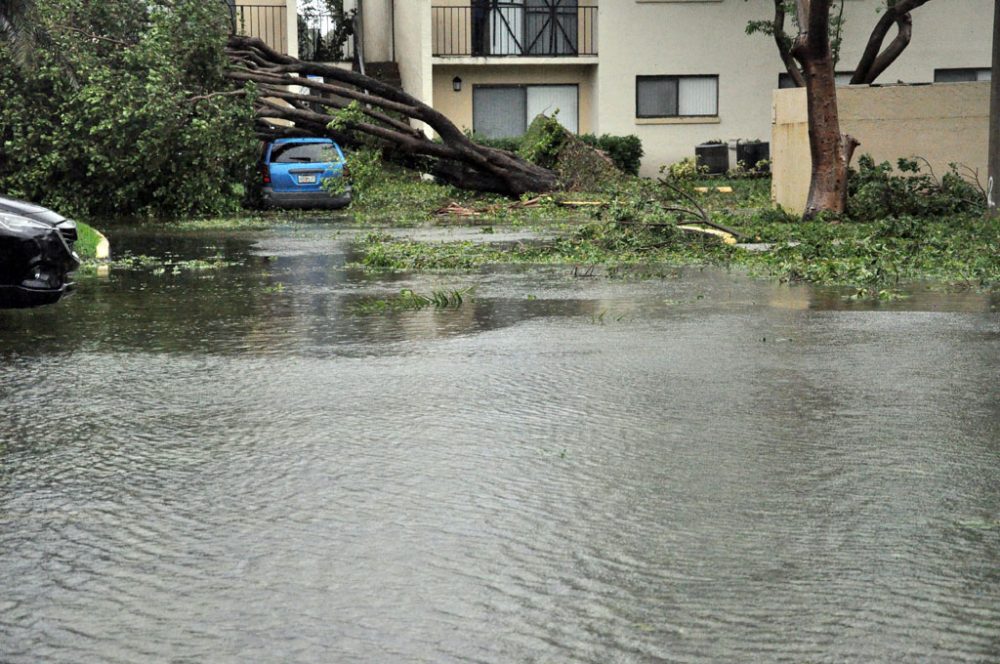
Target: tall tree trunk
830 150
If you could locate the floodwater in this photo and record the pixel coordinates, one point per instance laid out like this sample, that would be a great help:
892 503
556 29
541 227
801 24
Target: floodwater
235 465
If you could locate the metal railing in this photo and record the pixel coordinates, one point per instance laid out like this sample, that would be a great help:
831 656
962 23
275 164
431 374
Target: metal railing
268 22
318 38
525 28
317 31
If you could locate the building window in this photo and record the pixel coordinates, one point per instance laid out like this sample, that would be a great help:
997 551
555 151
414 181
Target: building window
841 78
676 96
962 75
505 111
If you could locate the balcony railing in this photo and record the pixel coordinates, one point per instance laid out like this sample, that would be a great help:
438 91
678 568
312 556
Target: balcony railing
319 34
525 28
268 22
317 31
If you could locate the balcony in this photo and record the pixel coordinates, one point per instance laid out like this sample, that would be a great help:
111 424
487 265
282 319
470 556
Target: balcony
320 38
517 28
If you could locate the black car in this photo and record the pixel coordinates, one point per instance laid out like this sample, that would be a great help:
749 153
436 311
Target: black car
67 227
36 255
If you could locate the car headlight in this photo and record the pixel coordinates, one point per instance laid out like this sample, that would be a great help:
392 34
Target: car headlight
15 223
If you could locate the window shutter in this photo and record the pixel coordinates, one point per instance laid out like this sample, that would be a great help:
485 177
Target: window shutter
699 96
547 99
499 112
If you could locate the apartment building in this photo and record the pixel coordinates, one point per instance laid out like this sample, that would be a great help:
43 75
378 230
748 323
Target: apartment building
674 72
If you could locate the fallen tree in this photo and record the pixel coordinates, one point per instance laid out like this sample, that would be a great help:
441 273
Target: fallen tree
355 109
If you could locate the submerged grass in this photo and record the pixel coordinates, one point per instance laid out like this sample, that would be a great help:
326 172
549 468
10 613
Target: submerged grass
409 300
873 258
961 250
161 265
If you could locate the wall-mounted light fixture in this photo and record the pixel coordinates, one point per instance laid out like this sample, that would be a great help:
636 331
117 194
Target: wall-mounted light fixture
456 84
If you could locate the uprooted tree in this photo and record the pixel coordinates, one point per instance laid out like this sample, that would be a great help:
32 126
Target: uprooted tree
810 61
350 108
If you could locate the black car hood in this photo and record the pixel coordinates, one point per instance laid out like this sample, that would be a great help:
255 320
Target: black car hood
67 227
31 211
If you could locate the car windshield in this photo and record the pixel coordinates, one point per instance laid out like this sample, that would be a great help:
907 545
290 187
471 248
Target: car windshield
300 153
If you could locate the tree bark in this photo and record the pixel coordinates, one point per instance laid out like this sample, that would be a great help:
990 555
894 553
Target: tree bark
830 150
387 112
875 59
784 44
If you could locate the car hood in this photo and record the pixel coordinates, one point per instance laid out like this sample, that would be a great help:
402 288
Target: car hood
15 225
31 211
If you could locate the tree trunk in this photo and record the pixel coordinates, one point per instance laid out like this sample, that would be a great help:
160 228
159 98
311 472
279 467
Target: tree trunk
831 151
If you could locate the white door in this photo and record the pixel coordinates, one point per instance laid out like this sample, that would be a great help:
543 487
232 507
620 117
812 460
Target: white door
547 99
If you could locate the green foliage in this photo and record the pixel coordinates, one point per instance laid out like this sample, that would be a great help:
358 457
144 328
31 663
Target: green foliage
366 170
625 151
633 235
685 169
877 257
836 26
329 46
508 144
385 193
120 116
545 137
348 117
875 192
542 141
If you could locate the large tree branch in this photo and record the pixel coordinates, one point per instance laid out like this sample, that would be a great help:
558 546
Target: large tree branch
784 43
340 91
282 93
875 60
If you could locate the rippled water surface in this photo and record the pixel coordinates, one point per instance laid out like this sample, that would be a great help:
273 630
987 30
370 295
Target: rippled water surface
235 465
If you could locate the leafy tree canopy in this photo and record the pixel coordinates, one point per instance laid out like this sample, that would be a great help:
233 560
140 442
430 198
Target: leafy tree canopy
123 110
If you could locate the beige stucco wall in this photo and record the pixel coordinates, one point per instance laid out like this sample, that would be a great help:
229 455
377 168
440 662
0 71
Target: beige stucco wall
708 37
377 21
413 48
943 123
457 106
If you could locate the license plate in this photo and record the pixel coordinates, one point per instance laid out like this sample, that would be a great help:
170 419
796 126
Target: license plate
307 179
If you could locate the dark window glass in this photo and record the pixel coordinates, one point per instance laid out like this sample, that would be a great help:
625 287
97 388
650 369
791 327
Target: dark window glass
304 153
656 97
961 75
676 96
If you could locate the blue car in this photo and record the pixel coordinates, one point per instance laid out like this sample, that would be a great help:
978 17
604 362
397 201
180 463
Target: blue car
294 170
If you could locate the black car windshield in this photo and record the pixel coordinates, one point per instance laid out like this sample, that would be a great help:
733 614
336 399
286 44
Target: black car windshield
303 153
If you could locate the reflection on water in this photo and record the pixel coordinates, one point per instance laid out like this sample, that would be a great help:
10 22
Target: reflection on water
231 465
